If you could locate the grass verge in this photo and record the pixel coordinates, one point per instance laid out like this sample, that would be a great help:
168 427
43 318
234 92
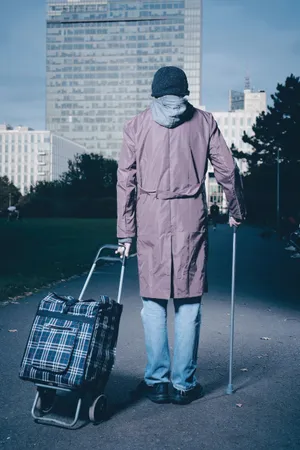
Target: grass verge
36 252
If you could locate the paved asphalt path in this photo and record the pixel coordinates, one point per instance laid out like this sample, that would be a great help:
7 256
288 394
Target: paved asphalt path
268 305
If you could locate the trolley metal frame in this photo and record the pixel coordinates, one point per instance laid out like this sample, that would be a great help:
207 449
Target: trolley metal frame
81 392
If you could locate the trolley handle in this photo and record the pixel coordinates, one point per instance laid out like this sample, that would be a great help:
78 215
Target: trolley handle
110 259
110 247
98 257
121 259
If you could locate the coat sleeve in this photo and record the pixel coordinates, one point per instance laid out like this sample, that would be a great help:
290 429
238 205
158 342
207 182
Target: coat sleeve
226 172
126 187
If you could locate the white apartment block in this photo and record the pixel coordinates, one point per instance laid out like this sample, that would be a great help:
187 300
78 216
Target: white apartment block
232 125
255 101
28 156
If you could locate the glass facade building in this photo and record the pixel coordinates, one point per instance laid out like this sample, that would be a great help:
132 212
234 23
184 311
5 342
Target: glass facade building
101 58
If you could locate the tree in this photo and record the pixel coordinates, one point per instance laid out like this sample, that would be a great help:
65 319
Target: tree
278 129
276 133
91 175
46 199
87 189
9 193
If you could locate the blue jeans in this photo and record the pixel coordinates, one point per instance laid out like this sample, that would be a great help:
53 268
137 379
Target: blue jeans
187 331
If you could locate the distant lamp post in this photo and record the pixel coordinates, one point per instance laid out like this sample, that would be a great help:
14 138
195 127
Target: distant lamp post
278 194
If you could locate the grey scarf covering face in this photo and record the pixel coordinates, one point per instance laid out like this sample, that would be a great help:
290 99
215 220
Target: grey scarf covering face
171 111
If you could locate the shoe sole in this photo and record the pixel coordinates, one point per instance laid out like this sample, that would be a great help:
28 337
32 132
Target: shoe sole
159 400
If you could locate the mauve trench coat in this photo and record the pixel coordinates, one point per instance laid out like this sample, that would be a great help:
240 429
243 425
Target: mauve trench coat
162 200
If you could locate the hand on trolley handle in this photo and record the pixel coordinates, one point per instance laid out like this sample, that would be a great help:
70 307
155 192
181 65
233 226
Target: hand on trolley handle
124 248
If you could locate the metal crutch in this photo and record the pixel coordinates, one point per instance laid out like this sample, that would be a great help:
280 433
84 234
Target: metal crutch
230 385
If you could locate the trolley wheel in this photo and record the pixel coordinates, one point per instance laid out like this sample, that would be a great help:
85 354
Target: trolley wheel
46 400
98 409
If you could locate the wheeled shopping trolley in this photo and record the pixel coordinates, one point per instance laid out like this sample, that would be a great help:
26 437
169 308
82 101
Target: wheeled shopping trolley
71 348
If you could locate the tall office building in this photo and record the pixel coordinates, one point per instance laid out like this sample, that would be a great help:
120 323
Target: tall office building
101 57
28 156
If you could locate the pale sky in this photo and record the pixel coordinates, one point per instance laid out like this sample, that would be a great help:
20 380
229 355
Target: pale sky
258 37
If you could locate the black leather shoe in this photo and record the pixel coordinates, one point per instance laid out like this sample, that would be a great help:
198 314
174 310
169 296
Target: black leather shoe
185 397
158 393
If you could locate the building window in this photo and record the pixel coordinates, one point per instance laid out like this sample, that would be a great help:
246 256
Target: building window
241 122
249 122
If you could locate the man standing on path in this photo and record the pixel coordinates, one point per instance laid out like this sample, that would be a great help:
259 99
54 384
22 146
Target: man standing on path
162 202
214 212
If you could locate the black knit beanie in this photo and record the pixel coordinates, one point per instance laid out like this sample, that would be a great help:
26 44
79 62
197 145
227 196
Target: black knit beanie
170 80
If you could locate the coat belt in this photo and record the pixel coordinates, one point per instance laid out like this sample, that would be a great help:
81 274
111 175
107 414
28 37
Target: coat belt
186 192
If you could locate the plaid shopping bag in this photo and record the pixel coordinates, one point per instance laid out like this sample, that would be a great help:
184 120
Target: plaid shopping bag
71 343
